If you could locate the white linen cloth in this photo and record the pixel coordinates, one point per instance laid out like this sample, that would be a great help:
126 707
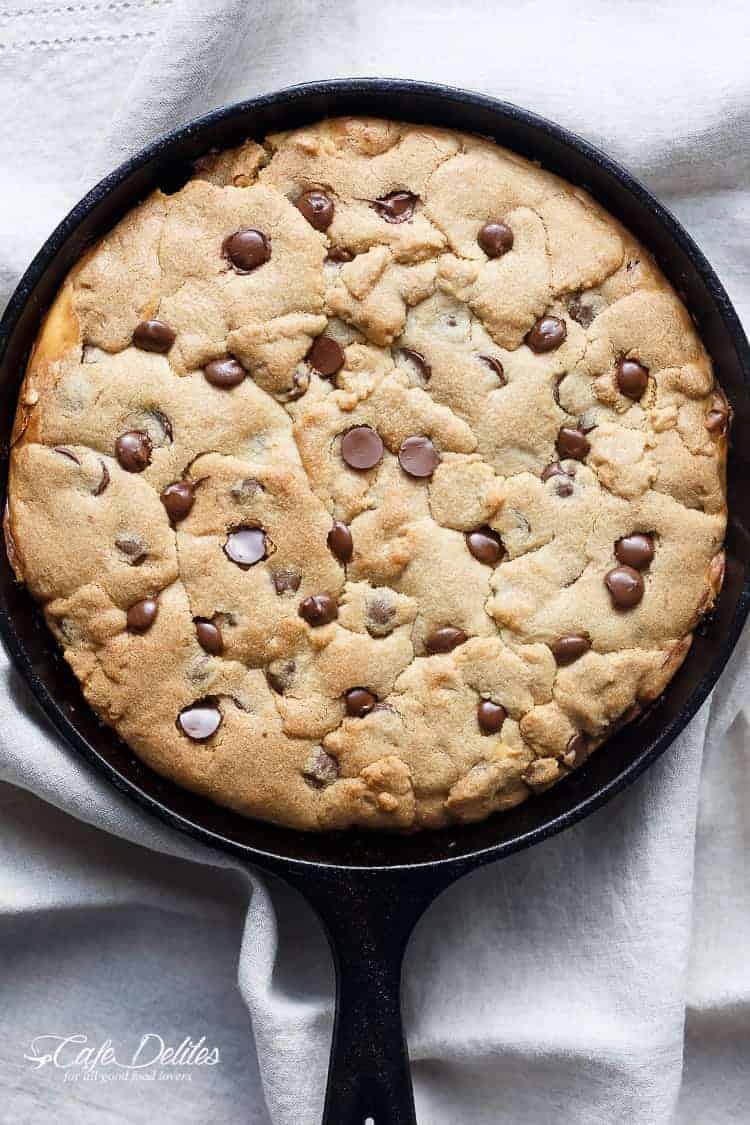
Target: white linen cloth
599 977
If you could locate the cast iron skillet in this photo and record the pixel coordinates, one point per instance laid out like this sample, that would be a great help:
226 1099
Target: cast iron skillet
371 890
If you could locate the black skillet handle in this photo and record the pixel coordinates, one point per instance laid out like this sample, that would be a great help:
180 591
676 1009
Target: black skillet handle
369 917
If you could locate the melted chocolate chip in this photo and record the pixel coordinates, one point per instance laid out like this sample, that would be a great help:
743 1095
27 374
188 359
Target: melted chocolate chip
286 581
554 470
200 720
572 444
418 457
576 750
103 480
225 373
547 334
153 336
625 586
419 361
133 451
340 254
317 207
490 716
635 550
718 417
133 547
178 498
326 355
564 488
209 636
396 207
340 542
359 702
495 239
318 609
445 639
141 616
495 366
245 490
299 387
65 452
320 769
485 545
246 249
362 448
246 546
380 616
281 675
632 378
567 649
582 312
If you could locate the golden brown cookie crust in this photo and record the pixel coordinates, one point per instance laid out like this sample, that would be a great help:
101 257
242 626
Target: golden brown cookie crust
421 580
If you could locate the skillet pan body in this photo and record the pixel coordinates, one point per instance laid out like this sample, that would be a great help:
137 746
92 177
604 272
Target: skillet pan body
166 164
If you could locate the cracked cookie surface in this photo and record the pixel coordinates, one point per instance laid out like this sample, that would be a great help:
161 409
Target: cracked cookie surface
371 479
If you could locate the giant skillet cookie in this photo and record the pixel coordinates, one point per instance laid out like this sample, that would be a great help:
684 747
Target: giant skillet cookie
372 478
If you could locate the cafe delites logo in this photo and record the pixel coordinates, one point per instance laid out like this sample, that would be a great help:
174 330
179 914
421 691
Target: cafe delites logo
152 1059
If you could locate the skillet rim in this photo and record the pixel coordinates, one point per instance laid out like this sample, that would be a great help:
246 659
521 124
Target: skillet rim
503 112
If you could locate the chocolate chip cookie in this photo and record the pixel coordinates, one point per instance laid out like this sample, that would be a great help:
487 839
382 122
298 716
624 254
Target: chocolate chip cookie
371 479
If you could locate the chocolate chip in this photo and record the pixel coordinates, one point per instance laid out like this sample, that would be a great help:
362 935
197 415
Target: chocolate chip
554 470
632 378
326 355
156 424
362 448
635 550
103 480
65 452
286 581
718 417
280 675
133 547
318 609
246 546
340 542
419 361
576 751
582 312
200 720
396 207
153 336
320 769
587 422
209 636
246 249
572 444
178 498
317 207
490 716
418 457
299 387
495 239
141 616
625 586
564 488
133 451
567 649
495 366
485 545
359 702
380 616
245 490
225 373
445 639
340 254
547 334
